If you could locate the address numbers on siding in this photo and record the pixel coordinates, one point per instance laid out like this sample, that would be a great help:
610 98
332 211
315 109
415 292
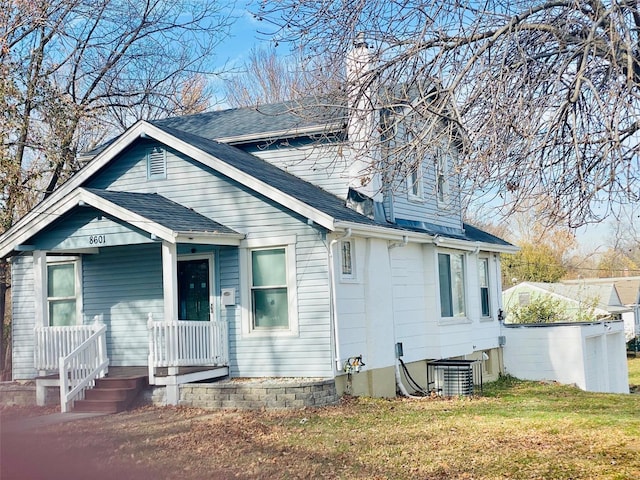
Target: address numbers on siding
97 239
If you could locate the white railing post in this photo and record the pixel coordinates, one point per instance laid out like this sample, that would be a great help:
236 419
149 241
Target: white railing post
80 368
152 350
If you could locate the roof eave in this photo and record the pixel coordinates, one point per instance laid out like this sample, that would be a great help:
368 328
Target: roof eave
320 129
391 233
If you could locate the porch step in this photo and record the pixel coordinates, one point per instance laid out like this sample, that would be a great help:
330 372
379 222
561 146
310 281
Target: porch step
111 395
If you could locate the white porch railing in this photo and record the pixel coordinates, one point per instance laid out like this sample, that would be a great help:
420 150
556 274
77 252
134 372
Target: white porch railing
80 368
180 343
55 342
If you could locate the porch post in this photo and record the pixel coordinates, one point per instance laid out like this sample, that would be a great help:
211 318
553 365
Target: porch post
170 280
170 286
40 302
40 287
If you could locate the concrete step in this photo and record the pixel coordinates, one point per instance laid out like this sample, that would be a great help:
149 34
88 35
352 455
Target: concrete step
100 406
111 395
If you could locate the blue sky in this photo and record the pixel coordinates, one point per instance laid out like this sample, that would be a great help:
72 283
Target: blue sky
234 51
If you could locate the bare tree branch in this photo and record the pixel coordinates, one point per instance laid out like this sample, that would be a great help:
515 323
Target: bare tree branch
546 92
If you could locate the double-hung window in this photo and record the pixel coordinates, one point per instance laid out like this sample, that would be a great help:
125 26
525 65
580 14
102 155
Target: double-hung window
483 273
271 292
269 299
62 293
452 284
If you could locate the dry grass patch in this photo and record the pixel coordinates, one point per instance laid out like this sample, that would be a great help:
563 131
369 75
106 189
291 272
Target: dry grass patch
517 430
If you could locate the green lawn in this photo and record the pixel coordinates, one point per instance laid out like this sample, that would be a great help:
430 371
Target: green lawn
515 430
634 371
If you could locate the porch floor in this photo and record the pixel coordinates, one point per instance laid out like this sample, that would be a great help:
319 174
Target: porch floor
140 371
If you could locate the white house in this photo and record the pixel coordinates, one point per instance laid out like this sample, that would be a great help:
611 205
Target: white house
249 243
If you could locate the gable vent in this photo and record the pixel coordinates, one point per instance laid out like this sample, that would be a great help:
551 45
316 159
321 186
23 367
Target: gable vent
156 163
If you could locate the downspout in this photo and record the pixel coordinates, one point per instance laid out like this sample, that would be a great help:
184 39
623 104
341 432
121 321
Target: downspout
334 303
399 384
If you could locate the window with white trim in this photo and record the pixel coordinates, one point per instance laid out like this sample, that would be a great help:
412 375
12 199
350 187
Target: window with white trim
269 295
483 274
63 293
156 163
451 273
414 183
442 176
347 260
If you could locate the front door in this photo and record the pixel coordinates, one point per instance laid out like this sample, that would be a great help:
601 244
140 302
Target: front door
194 289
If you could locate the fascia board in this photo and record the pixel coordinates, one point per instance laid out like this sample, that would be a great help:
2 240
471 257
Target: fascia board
241 177
40 217
471 245
279 134
389 233
383 233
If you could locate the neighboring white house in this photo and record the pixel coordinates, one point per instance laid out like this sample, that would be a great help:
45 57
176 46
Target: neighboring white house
579 300
236 240
628 291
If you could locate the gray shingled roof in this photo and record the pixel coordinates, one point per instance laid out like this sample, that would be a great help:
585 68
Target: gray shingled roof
163 211
258 121
285 182
202 131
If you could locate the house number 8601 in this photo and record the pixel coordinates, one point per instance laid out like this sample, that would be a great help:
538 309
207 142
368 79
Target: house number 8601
97 239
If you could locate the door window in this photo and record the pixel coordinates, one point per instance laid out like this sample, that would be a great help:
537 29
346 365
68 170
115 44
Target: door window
193 289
